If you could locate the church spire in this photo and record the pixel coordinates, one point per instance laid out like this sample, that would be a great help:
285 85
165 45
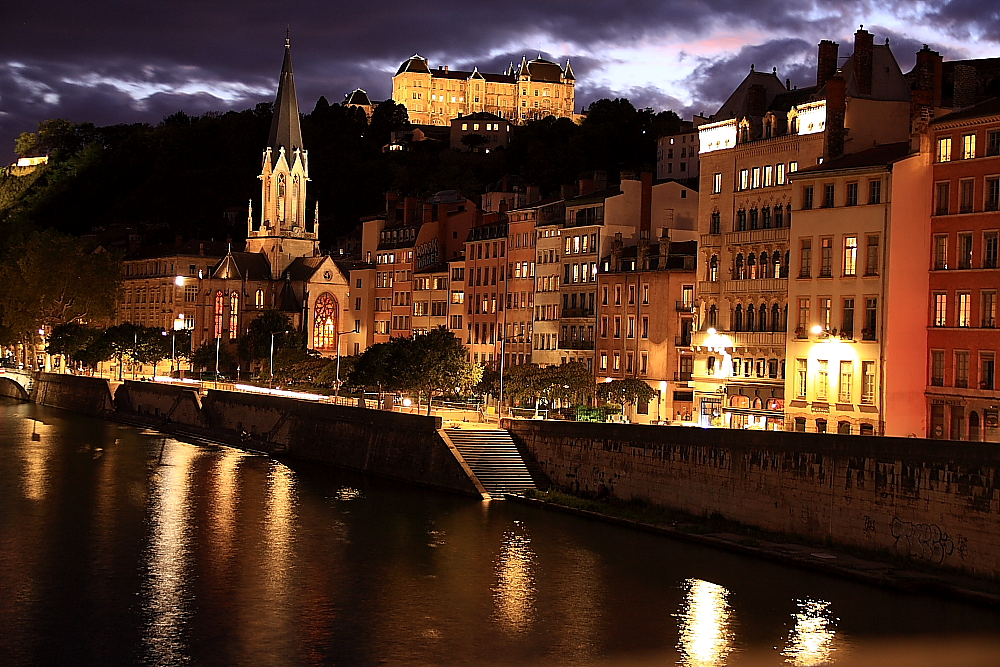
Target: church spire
285 129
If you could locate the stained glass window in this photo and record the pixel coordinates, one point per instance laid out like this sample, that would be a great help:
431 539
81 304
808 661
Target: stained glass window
234 315
218 314
325 322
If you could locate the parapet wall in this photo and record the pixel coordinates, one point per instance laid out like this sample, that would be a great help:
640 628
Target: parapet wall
923 499
73 392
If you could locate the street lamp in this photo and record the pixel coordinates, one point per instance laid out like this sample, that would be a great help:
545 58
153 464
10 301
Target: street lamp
503 340
339 334
273 334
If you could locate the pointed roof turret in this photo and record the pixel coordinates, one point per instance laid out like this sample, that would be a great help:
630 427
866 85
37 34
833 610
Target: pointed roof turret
568 72
285 129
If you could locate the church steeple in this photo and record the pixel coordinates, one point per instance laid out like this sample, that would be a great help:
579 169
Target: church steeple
283 233
285 129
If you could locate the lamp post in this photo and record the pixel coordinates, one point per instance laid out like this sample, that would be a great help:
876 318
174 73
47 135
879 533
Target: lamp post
339 334
503 340
273 334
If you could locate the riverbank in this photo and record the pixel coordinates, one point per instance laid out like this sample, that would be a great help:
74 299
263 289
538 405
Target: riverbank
868 566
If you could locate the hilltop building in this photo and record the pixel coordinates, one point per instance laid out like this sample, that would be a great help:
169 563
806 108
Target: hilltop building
534 89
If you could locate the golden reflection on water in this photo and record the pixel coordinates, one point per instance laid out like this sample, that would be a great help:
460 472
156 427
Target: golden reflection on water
705 635
169 556
35 480
514 594
279 521
225 492
811 639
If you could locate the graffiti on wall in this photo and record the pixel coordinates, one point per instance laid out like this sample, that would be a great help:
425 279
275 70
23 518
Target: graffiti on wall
926 541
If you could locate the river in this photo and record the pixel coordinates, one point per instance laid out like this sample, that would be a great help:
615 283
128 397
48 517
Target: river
120 546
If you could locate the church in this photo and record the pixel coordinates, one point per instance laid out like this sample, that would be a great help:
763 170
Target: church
215 295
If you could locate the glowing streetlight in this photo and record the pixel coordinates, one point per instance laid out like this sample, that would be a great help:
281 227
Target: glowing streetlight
817 329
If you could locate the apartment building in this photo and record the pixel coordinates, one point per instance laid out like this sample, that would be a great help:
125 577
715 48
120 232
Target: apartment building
644 322
962 398
548 219
677 153
485 290
764 133
850 349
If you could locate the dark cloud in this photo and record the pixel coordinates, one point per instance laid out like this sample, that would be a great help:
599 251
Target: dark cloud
124 60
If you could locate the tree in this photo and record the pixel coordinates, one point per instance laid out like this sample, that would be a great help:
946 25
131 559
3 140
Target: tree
629 391
51 279
436 364
571 383
254 347
474 142
379 366
204 357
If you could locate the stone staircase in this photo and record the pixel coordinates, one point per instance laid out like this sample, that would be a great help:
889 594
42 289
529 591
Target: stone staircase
493 457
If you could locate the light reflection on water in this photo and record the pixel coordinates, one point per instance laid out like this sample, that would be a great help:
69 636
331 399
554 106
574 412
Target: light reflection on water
220 558
167 596
811 639
705 634
514 594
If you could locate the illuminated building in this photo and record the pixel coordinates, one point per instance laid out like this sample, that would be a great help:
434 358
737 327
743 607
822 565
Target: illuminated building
763 134
217 297
963 339
856 319
534 89
645 303
494 130
359 99
411 245
677 154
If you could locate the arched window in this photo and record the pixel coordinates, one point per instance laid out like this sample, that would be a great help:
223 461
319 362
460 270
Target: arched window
740 270
754 218
762 317
295 200
713 269
325 314
716 223
741 220
778 216
765 217
750 318
752 266
713 316
765 266
259 298
279 209
738 318
219 303
234 315
776 258
775 318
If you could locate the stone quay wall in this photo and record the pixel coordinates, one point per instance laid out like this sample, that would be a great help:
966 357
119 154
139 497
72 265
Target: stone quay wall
408 448
934 501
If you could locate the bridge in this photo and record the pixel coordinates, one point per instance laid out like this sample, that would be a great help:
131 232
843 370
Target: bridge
17 384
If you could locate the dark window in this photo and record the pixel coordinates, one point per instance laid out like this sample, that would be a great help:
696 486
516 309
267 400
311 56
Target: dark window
778 222
741 220
993 143
943 192
847 322
765 217
852 194
871 319
716 223
807 197
754 218
874 192
828 193
990 250
992 194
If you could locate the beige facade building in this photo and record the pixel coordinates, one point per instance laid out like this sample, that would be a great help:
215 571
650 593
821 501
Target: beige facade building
534 89
849 347
760 137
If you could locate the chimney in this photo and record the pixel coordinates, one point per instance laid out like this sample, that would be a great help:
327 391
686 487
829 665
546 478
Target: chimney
534 194
646 204
757 100
965 86
600 180
836 109
826 63
201 248
664 247
567 191
616 252
864 46
926 93
586 186
409 210
427 215
642 251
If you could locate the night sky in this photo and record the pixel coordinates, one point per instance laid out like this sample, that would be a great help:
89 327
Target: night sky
125 61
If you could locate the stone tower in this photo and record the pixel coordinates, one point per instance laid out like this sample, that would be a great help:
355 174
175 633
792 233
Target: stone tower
283 233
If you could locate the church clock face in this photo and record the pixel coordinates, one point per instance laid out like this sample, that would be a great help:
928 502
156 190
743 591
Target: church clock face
327 275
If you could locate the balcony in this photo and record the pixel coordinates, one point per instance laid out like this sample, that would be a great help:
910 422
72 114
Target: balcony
756 286
684 306
759 338
682 341
577 312
773 235
711 241
682 376
708 286
576 345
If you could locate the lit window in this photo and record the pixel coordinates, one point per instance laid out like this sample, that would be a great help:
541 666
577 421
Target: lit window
850 256
944 149
968 146
940 310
